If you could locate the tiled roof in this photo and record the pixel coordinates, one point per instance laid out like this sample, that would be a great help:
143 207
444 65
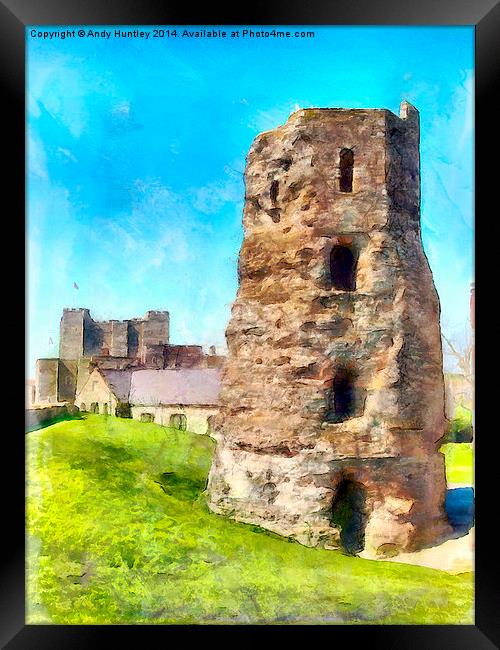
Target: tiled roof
175 386
119 382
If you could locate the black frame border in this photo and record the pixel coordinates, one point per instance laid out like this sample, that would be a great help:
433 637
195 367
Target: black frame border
485 16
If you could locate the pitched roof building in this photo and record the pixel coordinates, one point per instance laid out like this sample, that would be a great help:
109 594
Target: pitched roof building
183 398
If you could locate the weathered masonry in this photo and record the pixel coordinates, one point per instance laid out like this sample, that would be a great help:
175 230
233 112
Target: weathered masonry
332 400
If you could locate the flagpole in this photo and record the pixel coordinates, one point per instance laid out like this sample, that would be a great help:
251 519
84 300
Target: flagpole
76 288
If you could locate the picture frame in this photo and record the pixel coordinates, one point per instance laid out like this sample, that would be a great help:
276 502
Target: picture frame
485 16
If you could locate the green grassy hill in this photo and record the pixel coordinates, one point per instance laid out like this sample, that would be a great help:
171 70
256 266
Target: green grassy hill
459 462
119 532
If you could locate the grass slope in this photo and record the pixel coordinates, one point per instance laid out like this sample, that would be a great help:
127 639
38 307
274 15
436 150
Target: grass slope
119 532
459 462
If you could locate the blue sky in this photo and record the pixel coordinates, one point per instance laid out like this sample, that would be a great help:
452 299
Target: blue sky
136 150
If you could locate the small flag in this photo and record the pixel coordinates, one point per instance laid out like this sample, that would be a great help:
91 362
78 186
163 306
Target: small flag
75 286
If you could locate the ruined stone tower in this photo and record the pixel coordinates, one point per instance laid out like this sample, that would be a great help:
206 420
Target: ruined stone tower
333 394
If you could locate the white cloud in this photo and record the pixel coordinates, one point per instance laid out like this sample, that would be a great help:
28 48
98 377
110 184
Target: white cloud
37 159
210 198
122 109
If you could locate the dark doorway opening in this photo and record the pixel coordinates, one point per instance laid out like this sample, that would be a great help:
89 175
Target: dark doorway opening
350 516
346 165
178 421
343 268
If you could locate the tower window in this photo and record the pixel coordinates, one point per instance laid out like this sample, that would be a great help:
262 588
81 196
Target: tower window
343 268
343 393
343 402
346 168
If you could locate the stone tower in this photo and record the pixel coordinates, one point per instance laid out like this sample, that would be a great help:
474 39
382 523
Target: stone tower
333 393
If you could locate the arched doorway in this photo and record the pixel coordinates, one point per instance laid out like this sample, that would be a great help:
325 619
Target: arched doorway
343 268
349 514
105 409
178 421
83 407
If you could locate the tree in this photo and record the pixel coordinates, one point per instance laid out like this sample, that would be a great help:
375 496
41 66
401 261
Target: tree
460 348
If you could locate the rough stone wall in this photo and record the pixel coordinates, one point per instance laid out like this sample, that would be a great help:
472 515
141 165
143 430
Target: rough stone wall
82 336
46 373
154 331
153 356
283 451
93 336
71 340
66 380
36 417
119 339
183 356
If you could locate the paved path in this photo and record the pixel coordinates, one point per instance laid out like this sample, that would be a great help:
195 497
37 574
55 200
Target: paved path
454 556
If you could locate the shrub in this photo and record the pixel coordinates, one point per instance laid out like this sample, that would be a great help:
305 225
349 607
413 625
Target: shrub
123 410
460 427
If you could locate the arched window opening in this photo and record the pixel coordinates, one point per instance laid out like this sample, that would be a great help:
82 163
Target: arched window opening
343 399
343 264
105 409
96 408
344 394
83 407
210 424
349 514
178 421
346 165
273 191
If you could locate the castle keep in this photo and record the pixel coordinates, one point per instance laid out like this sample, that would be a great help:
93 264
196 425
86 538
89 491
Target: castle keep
332 400
135 344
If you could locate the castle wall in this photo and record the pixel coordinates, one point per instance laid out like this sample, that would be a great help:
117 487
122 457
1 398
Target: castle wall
119 339
46 373
154 330
106 337
81 336
184 356
71 341
67 379
284 444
